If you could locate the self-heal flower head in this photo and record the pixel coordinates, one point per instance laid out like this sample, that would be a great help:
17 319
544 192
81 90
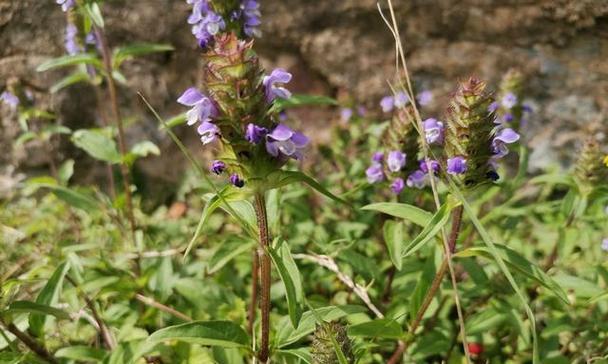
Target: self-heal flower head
374 173
425 98
417 179
509 100
605 245
236 180
424 166
396 161
9 99
208 132
346 114
66 4
401 99
500 141
457 165
272 84
71 40
286 142
202 108
378 157
387 103
397 186
217 167
255 134
433 130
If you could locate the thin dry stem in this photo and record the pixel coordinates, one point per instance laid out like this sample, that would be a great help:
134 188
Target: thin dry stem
152 302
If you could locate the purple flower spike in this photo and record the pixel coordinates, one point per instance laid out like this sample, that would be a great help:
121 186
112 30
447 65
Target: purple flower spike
284 141
395 161
509 100
424 167
202 108
397 186
255 134
251 18
71 42
493 107
401 99
9 99
278 76
502 138
387 103
605 245
236 180
346 114
375 173
66 4
217 167
208 132
378 157
433 130
425 98
417 179
457 165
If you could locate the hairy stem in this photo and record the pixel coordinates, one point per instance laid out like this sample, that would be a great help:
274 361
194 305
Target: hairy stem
262 218
428 298
255 269
31 343
124 168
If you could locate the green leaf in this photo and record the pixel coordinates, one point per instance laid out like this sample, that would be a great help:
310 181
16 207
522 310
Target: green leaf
176 120
35 310
290 276
422 286
141 150
70 80
414 214
300 353
72 197
287 334
520 264
394 239
227 251
226 334
81 353
48 296
283 178
380 328
97 144
66 171
301 100
94 13
135 50
434 226
70 60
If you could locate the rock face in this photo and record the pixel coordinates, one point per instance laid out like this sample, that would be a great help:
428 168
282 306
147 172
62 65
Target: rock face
336 47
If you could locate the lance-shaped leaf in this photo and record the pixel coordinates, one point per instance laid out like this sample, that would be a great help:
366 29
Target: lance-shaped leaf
290 275
136 50
299 101
97 144
48 296
394 240
211 333
411 213
70 60
434 226
283 178
380 328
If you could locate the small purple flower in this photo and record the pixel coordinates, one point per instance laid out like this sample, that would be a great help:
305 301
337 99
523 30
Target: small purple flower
236 180
346 114
509 100
199 9
387 103
217 167
66 4
605 245
278 76
425 98
361 111
433 130
251 17
255 134
502 138
493 107
507 117
424 167
375 173
71 40
202 108
9 99
457 165
378 157
209 26
208 132
284 141
397 186
527 108
283 116
395 161
417 179
401 99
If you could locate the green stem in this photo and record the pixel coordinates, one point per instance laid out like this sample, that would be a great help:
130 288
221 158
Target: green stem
456 224
265 265
31 343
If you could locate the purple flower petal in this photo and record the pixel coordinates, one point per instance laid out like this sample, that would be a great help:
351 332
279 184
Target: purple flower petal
605 245
255 134
300 140
378 157
433 130
281 132
208 132
273 91
387 103
417 179
507 135
190 97
425 98
401 99
375 173
457 165
397 186
509 100
396 161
